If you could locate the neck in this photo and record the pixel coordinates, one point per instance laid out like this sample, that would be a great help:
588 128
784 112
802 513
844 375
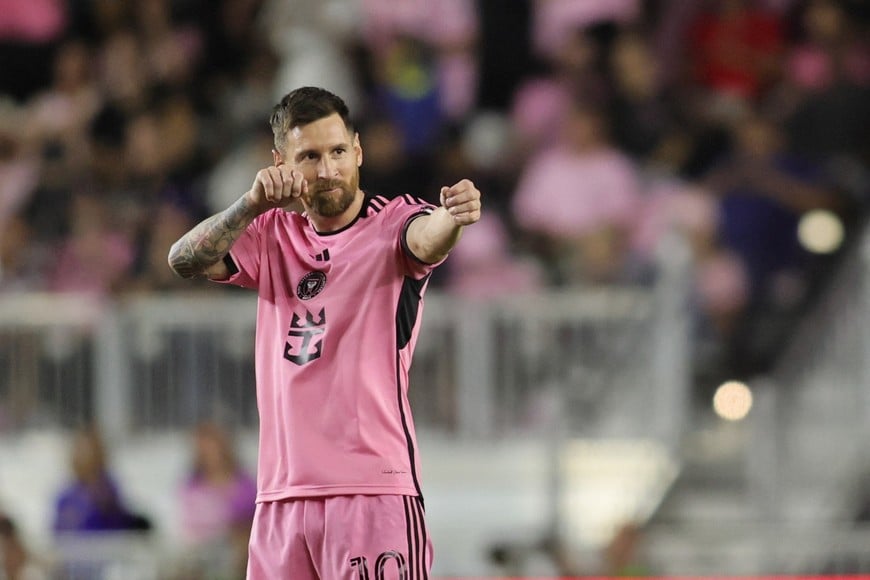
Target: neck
333 223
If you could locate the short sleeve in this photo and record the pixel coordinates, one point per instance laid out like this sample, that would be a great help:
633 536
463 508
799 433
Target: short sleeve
245 253
400 212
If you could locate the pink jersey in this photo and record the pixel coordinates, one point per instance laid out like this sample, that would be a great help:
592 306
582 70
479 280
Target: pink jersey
337 321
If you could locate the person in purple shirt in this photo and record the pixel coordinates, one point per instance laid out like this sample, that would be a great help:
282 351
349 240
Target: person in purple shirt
92 502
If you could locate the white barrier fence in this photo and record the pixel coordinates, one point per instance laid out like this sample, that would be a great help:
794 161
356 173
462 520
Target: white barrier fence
596 362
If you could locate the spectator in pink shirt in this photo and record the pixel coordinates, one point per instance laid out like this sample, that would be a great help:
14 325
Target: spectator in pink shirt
484 266
579 199
216 501
94 258
555 21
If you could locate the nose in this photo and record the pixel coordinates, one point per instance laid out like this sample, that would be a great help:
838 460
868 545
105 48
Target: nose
325 168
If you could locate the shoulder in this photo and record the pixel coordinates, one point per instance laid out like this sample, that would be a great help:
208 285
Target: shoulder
401 205
278 219
279 215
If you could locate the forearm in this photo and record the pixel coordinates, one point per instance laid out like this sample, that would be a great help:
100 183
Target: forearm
207 243
430 238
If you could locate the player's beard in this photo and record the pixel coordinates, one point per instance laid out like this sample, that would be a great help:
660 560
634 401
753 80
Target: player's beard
328 203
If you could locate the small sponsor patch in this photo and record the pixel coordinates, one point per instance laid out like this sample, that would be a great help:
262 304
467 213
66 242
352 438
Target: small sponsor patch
311 285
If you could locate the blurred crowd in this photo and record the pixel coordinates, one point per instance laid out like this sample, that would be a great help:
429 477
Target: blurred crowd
593 127
213 499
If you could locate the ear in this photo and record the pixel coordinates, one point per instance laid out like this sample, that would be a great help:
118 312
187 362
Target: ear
358 149
276 157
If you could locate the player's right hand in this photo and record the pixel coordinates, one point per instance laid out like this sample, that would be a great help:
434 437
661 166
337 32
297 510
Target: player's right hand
278 186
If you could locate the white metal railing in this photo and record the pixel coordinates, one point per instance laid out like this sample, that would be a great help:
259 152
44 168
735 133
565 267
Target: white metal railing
756 548
602 357
812 419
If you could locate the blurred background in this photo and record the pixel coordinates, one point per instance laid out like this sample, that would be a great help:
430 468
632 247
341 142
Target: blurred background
651 356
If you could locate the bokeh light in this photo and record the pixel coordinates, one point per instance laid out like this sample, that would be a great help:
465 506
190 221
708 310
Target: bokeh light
732 401
821 232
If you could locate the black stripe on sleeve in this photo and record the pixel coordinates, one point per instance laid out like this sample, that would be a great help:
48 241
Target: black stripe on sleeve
407 309
231 265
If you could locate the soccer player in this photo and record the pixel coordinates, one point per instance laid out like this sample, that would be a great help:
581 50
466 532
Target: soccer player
340 289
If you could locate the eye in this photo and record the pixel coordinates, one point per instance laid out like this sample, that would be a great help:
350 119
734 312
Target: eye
340 150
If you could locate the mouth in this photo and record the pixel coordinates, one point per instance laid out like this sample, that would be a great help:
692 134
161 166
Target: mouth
328 190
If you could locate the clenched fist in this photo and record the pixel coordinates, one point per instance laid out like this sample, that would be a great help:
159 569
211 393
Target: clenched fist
277 186
462 202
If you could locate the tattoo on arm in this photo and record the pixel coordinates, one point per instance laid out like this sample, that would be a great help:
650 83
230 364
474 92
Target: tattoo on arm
208 242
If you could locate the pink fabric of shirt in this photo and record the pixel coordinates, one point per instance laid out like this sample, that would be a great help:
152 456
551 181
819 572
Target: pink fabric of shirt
565 194
337 322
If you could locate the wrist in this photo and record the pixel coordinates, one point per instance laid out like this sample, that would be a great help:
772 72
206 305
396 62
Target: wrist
252 204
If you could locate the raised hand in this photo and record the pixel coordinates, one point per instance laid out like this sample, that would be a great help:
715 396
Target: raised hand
277 186
462 202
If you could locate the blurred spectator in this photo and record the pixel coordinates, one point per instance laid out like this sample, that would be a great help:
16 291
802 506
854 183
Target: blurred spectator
557 21
828 48
29 30
763 192
15 561
149 271
19 170
244 102
646 124
232 174
95 258
484 266
170 52
484 149
721 285
424 64
92 501
313 40
574 73
827 103
122 78
389 170
579 199
230 31
505 51
22 261
57 119
216 502
734 49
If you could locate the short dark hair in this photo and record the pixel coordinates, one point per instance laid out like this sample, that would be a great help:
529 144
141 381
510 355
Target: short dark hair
302 106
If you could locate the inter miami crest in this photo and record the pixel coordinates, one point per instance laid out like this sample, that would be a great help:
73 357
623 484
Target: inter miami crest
310 285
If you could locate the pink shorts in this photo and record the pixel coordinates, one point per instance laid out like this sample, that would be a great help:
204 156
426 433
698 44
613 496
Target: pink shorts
354 537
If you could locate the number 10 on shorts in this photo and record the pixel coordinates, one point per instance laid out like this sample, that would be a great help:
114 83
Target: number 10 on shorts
362 566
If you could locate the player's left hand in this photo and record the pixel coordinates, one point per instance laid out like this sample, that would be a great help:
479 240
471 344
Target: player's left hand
462 202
